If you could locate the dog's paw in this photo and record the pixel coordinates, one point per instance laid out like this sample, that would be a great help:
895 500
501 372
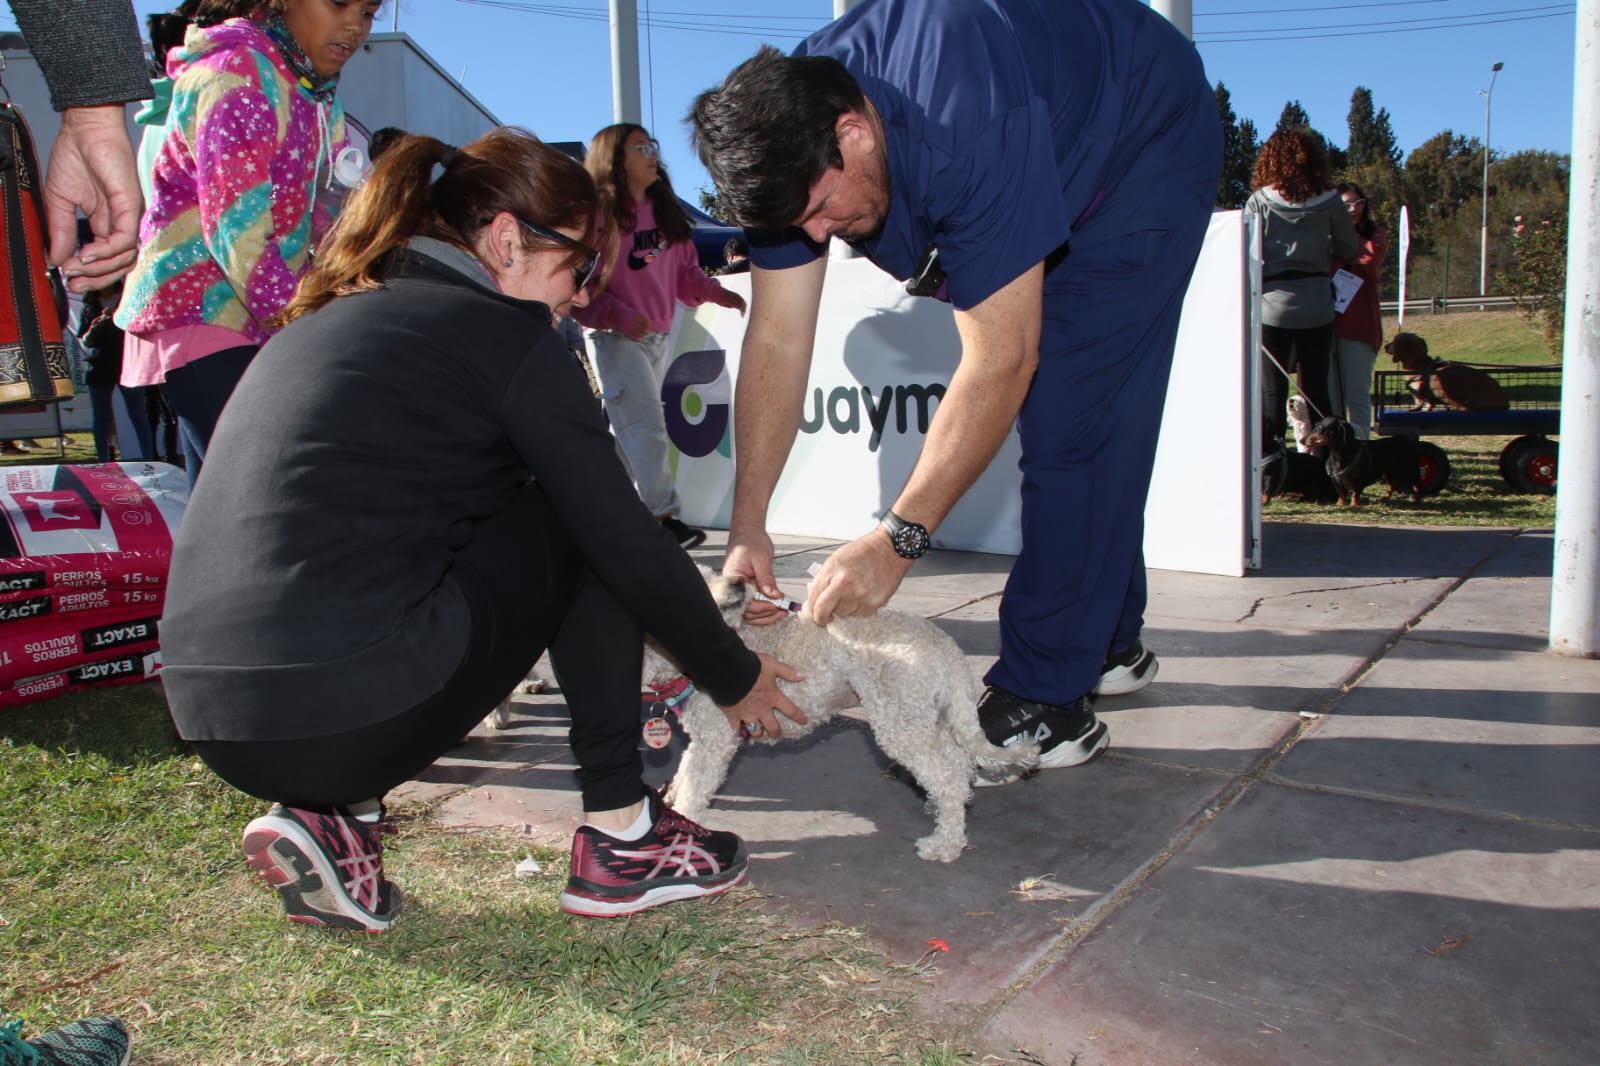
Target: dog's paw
500 717
932 848
533 684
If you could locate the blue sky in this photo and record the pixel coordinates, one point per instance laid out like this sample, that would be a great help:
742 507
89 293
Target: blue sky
547 65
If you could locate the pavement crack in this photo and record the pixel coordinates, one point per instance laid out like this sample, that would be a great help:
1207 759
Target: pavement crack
1109 904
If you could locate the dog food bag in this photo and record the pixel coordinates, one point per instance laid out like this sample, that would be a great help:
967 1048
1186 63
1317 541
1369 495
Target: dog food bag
107 525
24 607
121 669
56 644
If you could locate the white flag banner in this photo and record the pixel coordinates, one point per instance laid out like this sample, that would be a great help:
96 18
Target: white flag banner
1405 249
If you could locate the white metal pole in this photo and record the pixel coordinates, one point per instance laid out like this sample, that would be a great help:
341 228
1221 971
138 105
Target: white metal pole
1178 12
841 6
1575 584
1483 244
625 61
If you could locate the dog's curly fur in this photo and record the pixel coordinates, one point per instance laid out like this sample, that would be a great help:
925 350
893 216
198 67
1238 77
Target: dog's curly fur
912 681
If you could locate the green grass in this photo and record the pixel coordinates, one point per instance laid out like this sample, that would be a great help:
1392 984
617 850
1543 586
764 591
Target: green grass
1476 495
1503 337
122 890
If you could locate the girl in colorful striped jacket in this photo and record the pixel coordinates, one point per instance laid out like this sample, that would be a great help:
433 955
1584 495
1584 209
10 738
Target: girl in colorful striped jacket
254 133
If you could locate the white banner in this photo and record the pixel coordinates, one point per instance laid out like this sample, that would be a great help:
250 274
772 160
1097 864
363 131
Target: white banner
881 362
1405 251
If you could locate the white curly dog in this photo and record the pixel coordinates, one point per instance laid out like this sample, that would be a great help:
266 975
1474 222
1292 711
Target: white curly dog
912 681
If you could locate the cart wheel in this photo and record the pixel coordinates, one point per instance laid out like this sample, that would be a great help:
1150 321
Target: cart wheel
1433 468
1506 453
1533 466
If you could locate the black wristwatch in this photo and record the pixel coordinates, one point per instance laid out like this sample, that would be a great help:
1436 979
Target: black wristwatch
910 540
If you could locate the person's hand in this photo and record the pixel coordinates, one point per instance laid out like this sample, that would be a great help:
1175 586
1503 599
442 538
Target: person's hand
637 327
857 579
760 709
749 559
92 169
729 298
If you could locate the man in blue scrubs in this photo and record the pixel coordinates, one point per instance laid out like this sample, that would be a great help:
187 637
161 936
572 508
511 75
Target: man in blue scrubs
1060 157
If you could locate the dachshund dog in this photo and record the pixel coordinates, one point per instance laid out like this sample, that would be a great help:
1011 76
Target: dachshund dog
1292 473
1435 382
1353 463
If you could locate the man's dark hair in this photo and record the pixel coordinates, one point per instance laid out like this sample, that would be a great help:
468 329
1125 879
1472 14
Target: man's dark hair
381 139
766 134
736 247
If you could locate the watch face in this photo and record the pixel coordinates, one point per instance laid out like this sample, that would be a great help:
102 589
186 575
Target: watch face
910 541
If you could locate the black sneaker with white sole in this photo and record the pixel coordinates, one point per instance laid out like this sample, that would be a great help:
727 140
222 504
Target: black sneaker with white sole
1068 735
1127 671
687 535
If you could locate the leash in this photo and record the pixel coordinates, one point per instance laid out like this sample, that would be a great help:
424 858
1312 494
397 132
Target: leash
1290 378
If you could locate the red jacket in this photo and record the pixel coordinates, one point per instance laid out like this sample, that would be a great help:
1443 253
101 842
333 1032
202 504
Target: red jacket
1361 320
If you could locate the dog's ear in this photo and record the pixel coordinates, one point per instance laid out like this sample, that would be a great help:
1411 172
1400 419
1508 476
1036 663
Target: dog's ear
728 592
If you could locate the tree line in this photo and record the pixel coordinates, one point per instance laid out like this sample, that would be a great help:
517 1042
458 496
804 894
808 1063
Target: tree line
1441 183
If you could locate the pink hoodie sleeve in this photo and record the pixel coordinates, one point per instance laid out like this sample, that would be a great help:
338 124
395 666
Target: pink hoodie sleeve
694 286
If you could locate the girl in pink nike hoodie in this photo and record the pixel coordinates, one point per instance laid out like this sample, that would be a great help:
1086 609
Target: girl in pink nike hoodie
650 265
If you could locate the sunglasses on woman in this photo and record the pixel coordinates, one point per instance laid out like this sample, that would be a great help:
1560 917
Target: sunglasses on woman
583 271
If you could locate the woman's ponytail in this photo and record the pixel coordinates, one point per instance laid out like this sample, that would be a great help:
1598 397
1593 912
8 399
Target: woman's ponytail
393 205
507 169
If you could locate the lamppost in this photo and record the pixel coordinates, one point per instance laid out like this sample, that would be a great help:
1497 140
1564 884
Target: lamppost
1483 265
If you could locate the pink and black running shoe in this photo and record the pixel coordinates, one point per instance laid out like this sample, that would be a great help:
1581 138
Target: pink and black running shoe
327 867
676 859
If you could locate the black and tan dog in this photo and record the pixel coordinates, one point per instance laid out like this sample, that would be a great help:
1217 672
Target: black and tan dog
1295 473
1353 463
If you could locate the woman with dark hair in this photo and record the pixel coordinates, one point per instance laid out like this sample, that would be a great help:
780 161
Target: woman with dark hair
1359 328
1303 225
411 495
650 266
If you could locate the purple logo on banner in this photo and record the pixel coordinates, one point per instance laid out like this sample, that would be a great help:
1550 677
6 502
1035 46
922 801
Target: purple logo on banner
695 393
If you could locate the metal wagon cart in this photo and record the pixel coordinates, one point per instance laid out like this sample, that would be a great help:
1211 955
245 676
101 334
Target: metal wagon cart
1528 463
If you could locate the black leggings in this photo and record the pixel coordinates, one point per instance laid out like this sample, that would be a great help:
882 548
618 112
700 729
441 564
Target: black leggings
528 590
1310 351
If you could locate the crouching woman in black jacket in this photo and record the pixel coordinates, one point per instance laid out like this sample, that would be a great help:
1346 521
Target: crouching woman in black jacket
411 495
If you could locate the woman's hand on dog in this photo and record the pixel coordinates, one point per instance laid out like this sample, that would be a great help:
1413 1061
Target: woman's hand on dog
765 703
857 579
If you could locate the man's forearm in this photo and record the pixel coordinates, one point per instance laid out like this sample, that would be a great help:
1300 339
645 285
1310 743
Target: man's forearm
767 406
89 50
999 353
774 364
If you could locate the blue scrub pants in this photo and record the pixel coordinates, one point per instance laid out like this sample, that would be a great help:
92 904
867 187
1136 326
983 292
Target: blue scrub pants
1089 425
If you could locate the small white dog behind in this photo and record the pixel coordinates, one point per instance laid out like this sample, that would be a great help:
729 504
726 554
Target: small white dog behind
500 717
911 680
1301 418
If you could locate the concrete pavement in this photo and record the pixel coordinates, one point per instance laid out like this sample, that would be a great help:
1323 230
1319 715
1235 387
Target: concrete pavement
1355 820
